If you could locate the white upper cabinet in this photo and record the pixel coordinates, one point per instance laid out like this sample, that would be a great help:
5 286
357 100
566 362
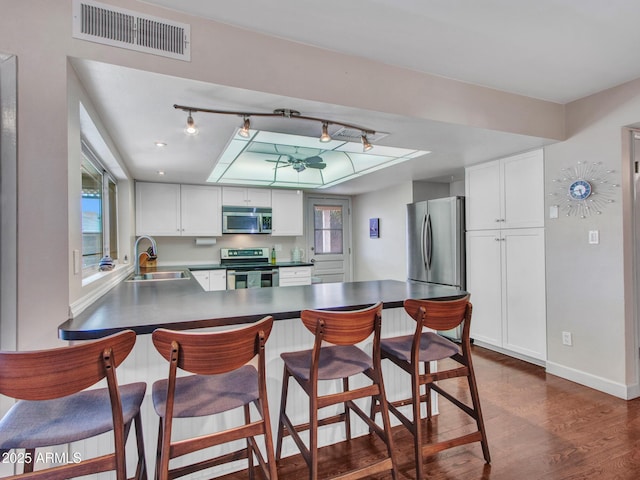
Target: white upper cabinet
200 207
157 209
246 197
164 209
506 193
287 210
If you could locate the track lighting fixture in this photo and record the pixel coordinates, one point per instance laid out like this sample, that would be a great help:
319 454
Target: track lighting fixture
366 146
325 137
244 131
280 112
191 128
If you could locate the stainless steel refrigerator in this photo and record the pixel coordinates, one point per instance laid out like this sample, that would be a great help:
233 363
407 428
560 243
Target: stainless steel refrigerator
435 243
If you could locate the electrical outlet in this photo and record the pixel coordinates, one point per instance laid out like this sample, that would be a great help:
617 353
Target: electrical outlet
566 339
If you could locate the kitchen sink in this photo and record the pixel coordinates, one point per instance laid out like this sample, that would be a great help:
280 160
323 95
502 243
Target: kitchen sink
159 276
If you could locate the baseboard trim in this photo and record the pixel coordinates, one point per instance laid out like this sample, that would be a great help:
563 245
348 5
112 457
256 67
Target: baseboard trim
625 392
510 353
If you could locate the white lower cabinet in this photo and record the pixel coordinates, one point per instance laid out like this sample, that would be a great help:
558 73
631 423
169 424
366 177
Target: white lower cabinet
290 276
506 279
211 280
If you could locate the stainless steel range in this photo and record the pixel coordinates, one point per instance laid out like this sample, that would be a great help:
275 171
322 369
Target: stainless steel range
248 268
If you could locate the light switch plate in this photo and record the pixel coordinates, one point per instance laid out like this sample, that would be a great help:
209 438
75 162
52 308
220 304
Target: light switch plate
553 211
594 237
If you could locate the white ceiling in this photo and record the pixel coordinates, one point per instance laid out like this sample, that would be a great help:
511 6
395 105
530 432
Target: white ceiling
556 50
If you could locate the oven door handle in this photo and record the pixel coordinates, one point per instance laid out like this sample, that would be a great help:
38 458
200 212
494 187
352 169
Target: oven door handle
233 273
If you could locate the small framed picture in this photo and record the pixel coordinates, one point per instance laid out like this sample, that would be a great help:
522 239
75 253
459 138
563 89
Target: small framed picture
374 228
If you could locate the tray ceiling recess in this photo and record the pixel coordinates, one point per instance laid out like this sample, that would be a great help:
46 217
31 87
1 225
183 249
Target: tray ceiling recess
264 158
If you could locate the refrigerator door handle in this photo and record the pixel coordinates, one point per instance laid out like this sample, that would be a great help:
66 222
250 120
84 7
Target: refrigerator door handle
423 242
429 241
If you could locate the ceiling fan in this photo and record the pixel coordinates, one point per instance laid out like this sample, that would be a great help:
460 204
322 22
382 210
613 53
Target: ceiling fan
300 164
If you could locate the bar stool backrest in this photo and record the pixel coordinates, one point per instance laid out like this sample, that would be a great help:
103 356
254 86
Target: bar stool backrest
59 372
205 353
439 315
343 327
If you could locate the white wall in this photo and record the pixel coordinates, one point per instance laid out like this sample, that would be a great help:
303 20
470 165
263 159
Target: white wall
429 190
384 257
589 287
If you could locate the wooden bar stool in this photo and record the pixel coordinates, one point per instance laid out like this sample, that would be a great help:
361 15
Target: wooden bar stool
223 380
335 356
54 408
423 347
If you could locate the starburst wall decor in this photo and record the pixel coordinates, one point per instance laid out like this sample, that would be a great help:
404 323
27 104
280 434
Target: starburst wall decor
584 189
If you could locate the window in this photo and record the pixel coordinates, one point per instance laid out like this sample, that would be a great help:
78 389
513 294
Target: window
99 211
327 229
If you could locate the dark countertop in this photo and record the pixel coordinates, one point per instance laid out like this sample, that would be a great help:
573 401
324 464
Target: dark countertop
182 304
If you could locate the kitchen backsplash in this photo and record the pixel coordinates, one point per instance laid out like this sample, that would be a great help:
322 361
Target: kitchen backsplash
184 251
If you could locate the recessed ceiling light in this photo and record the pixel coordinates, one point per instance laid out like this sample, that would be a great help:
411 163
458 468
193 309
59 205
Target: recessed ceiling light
160 144
160 172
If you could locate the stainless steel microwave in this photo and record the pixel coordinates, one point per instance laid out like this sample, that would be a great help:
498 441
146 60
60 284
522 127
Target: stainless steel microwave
246 220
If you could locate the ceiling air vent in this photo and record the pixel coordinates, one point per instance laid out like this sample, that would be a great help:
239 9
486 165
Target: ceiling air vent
353 135
118 27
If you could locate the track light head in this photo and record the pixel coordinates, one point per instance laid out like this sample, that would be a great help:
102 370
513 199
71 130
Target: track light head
191 128
244 131
366 146
325 137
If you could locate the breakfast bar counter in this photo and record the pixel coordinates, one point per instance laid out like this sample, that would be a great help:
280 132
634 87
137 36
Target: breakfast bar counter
182 304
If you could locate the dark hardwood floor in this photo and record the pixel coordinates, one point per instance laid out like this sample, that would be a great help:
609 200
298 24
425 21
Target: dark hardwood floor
539 427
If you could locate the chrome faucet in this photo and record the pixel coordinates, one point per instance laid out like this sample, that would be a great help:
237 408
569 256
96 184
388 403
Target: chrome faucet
154 251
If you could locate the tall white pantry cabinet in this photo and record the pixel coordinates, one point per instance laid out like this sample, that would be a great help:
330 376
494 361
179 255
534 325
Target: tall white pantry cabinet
505 254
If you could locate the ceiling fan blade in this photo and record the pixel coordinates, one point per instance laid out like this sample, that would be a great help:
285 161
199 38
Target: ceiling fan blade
319 166
313 159
279 163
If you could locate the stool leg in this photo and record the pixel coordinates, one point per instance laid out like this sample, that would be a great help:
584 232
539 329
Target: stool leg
475 399
268 440
31 455
427 369
313 433
247 420
417 423
283 409
347 411
141 468
156 475
386 421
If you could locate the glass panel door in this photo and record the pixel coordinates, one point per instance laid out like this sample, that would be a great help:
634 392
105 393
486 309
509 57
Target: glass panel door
329 239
